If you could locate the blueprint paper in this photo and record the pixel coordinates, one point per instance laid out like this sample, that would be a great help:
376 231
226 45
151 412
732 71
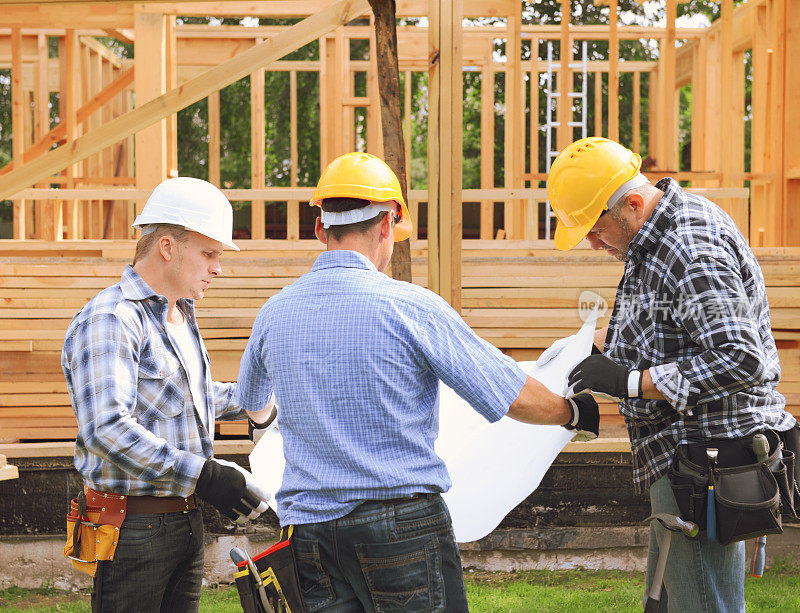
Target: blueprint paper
493 467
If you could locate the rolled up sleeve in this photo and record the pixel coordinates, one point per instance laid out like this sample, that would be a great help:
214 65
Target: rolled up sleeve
476 370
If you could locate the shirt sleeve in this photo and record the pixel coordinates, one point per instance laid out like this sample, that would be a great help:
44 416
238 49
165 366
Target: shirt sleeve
226 406
254 388
476 370
101 362
712 306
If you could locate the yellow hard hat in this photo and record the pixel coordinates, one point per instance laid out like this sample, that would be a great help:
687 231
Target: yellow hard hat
583 182
364 176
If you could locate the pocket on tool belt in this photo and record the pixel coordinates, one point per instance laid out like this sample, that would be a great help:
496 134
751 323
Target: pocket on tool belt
747 499
691 493
93 524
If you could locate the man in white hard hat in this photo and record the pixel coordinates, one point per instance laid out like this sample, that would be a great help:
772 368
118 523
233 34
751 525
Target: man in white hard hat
355 359
140 383
689 351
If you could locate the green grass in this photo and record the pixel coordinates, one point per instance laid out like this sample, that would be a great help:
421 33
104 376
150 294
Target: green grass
575 591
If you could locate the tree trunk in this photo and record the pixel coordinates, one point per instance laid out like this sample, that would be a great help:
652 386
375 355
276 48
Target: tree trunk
391 116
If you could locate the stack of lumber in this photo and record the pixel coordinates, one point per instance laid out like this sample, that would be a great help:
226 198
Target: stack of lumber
7 471
520 296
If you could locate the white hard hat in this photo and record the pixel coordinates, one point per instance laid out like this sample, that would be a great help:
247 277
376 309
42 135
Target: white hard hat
192 203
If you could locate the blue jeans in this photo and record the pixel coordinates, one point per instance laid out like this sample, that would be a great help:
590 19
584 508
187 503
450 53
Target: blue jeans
158 566
382 558
700 575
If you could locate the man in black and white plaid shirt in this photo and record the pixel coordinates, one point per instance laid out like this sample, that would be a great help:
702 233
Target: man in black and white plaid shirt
689 350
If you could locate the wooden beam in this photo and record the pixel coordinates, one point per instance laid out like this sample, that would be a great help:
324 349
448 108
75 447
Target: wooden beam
514 132
226 73
213 138
434 145
613 72
293 206
637 112
564 132
257 157
668 132
150 50
791 128
598 103
69 101
17 128
487 143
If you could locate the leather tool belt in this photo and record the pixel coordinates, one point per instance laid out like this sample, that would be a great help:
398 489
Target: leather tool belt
95 518
750 494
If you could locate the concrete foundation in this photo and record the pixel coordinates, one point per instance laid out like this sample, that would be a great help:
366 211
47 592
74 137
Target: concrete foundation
36 561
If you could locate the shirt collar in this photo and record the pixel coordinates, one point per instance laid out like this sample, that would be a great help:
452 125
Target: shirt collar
648 238
133 287
341 258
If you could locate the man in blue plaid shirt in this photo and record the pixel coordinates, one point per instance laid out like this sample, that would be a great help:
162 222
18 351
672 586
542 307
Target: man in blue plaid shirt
689 351
354 359
140 383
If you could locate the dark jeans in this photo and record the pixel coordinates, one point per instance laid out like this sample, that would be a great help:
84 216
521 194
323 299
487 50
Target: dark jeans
158 566
382 558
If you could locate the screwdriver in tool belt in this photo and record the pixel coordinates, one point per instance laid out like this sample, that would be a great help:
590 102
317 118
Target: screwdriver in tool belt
711 507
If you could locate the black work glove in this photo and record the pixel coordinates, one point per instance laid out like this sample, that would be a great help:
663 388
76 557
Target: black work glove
604 377
230 488
585 418
255 430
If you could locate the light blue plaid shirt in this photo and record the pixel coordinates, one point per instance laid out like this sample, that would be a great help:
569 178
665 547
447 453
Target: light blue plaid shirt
354 359
138 430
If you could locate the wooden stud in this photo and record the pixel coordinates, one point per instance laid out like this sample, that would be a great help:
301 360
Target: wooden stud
293 206
171 82
637 112
213 138
407 119
598 103
257 159
699 107
652 114
514 136
564 133
760 213
791 152
532 214
487 143
613 72
668 132
17 127
68 107
434 147
150 50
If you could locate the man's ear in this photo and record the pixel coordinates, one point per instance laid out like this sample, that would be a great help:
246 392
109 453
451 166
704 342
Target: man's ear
386 226
319 231
166 247
636 202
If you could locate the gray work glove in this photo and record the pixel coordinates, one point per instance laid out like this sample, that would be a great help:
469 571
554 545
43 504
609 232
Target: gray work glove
231 490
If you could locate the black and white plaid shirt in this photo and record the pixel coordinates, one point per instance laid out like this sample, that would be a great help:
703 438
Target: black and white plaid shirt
692 307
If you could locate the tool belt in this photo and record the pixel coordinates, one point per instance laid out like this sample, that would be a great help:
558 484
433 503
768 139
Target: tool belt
95 518
93 525
750 495
281 582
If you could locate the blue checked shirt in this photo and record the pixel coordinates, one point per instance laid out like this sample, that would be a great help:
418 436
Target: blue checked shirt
354 359
692 307
138 430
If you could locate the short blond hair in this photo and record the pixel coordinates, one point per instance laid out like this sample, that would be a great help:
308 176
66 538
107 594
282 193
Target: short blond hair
151 235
